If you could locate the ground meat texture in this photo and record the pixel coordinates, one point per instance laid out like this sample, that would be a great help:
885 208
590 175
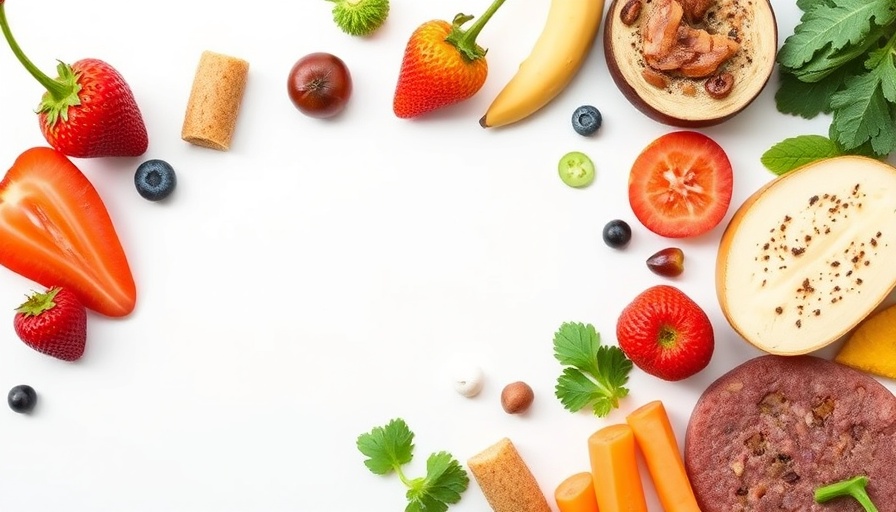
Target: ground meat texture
763 436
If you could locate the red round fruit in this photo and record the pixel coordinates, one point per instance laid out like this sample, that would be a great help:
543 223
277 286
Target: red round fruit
665 333
681 184
319 85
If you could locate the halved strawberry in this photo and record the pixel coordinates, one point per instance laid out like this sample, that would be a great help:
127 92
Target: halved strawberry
680 185
55 230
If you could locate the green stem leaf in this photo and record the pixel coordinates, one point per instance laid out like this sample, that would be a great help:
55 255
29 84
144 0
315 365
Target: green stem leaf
465 40
58 90
854 487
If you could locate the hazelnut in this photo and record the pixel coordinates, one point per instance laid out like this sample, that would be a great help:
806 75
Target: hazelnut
630 12
719 86
516 397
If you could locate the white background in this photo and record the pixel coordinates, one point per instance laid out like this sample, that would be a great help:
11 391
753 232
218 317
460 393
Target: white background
317 279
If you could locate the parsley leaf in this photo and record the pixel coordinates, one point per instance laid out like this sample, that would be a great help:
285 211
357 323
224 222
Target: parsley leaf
840 24
841 60
387 448
794 152
390 447
863 109
595 374
806 99
444 483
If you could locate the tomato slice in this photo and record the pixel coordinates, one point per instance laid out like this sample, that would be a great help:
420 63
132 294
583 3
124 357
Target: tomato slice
681 184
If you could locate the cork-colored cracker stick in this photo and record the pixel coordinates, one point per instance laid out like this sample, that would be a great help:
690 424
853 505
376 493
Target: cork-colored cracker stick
215 99
506 480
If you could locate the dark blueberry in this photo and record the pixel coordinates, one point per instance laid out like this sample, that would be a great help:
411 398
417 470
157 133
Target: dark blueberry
617 233
22 398
586 120
155 179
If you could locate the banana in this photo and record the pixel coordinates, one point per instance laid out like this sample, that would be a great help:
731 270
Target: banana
558 53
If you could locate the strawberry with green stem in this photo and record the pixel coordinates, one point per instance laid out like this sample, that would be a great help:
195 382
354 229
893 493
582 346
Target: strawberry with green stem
53 323
89 110
442 65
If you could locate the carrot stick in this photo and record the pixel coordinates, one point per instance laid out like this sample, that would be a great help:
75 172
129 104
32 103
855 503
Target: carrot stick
576 494
617 483
655 437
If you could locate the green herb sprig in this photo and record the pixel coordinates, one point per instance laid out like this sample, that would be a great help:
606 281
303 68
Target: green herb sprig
390 447
854 487
841 60
595 374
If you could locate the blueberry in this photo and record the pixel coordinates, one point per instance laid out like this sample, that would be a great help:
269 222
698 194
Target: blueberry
586 120
22 398
155 179
617 233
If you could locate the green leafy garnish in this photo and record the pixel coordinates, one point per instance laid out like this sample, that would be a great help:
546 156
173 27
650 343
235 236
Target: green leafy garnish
390 447
841 60
854 487
798 151
595 374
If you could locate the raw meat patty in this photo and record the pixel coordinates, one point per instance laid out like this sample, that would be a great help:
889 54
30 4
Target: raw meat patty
763 436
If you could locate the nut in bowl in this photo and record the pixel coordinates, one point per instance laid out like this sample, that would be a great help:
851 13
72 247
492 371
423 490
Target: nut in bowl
690 63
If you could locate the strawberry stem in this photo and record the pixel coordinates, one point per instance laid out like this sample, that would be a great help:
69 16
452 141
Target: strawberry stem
37 303
465 40
63 92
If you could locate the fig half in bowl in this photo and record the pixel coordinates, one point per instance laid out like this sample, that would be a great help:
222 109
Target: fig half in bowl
690 63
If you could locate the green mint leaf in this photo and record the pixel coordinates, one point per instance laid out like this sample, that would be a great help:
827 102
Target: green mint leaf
862 113
794 152
444 483
575 344
387 448
838 24
575 390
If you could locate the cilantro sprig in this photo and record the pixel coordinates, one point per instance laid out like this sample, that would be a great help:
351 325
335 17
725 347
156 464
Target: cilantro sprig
390 447
594 374
841 60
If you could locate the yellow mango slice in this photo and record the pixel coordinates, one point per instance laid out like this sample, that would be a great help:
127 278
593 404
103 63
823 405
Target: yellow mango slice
872 346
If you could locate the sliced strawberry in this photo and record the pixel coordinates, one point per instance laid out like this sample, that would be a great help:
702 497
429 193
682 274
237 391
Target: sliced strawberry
55 230
680 185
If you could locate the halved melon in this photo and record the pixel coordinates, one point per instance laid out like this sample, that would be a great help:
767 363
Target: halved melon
810 255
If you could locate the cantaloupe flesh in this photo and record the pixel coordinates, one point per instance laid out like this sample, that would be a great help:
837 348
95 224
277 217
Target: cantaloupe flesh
872 346
810 255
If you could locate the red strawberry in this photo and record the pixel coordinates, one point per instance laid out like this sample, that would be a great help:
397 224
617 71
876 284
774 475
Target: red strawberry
665 333
55 230
680 185
53 323
442 65
89 110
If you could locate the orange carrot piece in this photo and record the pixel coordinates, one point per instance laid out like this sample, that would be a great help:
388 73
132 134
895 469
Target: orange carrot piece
617 482
576 494
655 437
